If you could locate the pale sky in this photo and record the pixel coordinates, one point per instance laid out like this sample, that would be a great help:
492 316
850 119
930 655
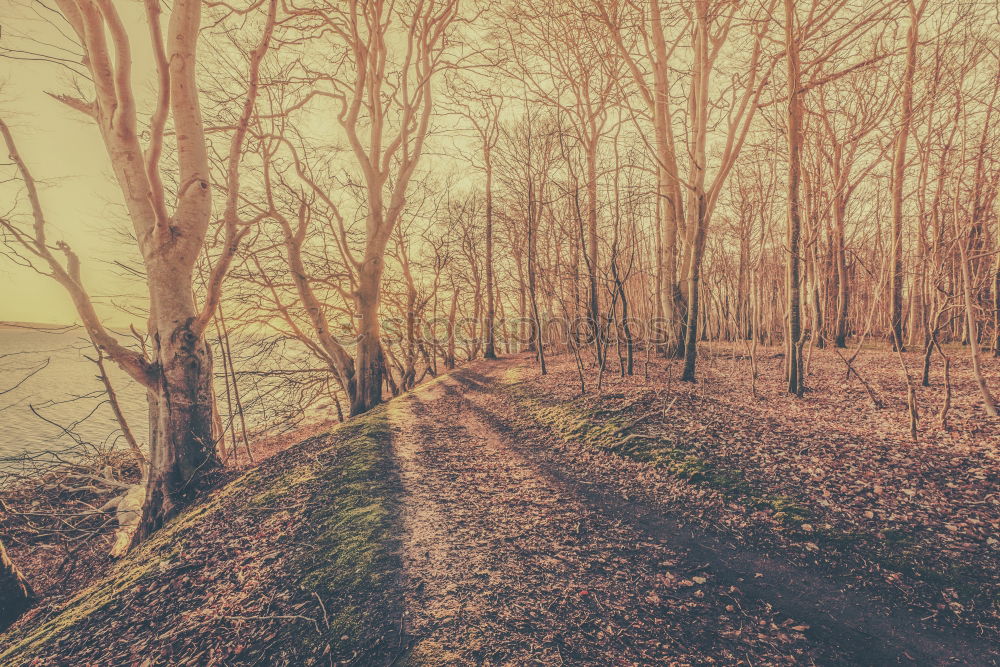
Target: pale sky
64 151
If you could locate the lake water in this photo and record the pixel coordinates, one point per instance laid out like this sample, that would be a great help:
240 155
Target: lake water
65 393
52 404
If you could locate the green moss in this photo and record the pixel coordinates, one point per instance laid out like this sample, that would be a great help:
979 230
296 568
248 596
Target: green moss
606 429
603 428
354 538
344 541
786 509
281 487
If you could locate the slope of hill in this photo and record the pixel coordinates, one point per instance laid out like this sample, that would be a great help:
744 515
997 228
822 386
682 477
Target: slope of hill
291 562
496 516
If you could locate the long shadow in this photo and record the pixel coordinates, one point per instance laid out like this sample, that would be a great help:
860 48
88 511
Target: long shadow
849 626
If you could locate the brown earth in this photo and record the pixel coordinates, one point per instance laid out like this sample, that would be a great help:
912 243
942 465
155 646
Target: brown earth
522 548
495 516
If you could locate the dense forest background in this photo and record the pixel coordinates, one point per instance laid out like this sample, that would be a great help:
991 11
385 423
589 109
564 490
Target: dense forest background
432 179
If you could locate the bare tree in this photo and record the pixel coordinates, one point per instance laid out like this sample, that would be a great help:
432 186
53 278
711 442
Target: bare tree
483 109
915 9
178 374
562 63
383 98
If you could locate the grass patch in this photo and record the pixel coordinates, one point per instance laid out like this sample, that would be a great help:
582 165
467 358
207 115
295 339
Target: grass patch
608 430
354 558
899 550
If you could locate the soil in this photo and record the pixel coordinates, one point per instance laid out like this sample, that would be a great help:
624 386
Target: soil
494 516
521 548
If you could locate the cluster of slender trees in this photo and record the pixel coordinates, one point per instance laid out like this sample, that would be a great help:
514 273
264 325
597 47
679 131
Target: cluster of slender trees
369 191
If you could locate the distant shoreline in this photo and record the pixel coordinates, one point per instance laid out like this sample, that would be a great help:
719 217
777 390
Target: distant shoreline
45 327
37 326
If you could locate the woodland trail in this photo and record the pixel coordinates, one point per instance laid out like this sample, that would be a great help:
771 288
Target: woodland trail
514 554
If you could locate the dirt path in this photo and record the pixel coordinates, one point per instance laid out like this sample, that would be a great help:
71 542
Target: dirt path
515 556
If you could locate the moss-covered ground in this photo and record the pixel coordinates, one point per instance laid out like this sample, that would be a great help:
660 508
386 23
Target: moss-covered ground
609 426
294 562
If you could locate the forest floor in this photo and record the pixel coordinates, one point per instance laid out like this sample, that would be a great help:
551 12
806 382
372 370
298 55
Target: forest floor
761 532
497 516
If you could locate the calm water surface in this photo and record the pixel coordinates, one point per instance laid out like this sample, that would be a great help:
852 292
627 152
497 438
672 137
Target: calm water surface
66 392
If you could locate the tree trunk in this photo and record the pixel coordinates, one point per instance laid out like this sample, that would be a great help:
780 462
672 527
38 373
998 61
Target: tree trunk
449 357
697 212
629 364
592 242
181 446
489 351
898 173
410 370
843 287
669 187
369 361
15 593
996 305
694 276
819 325
970 317
794 329
536 324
